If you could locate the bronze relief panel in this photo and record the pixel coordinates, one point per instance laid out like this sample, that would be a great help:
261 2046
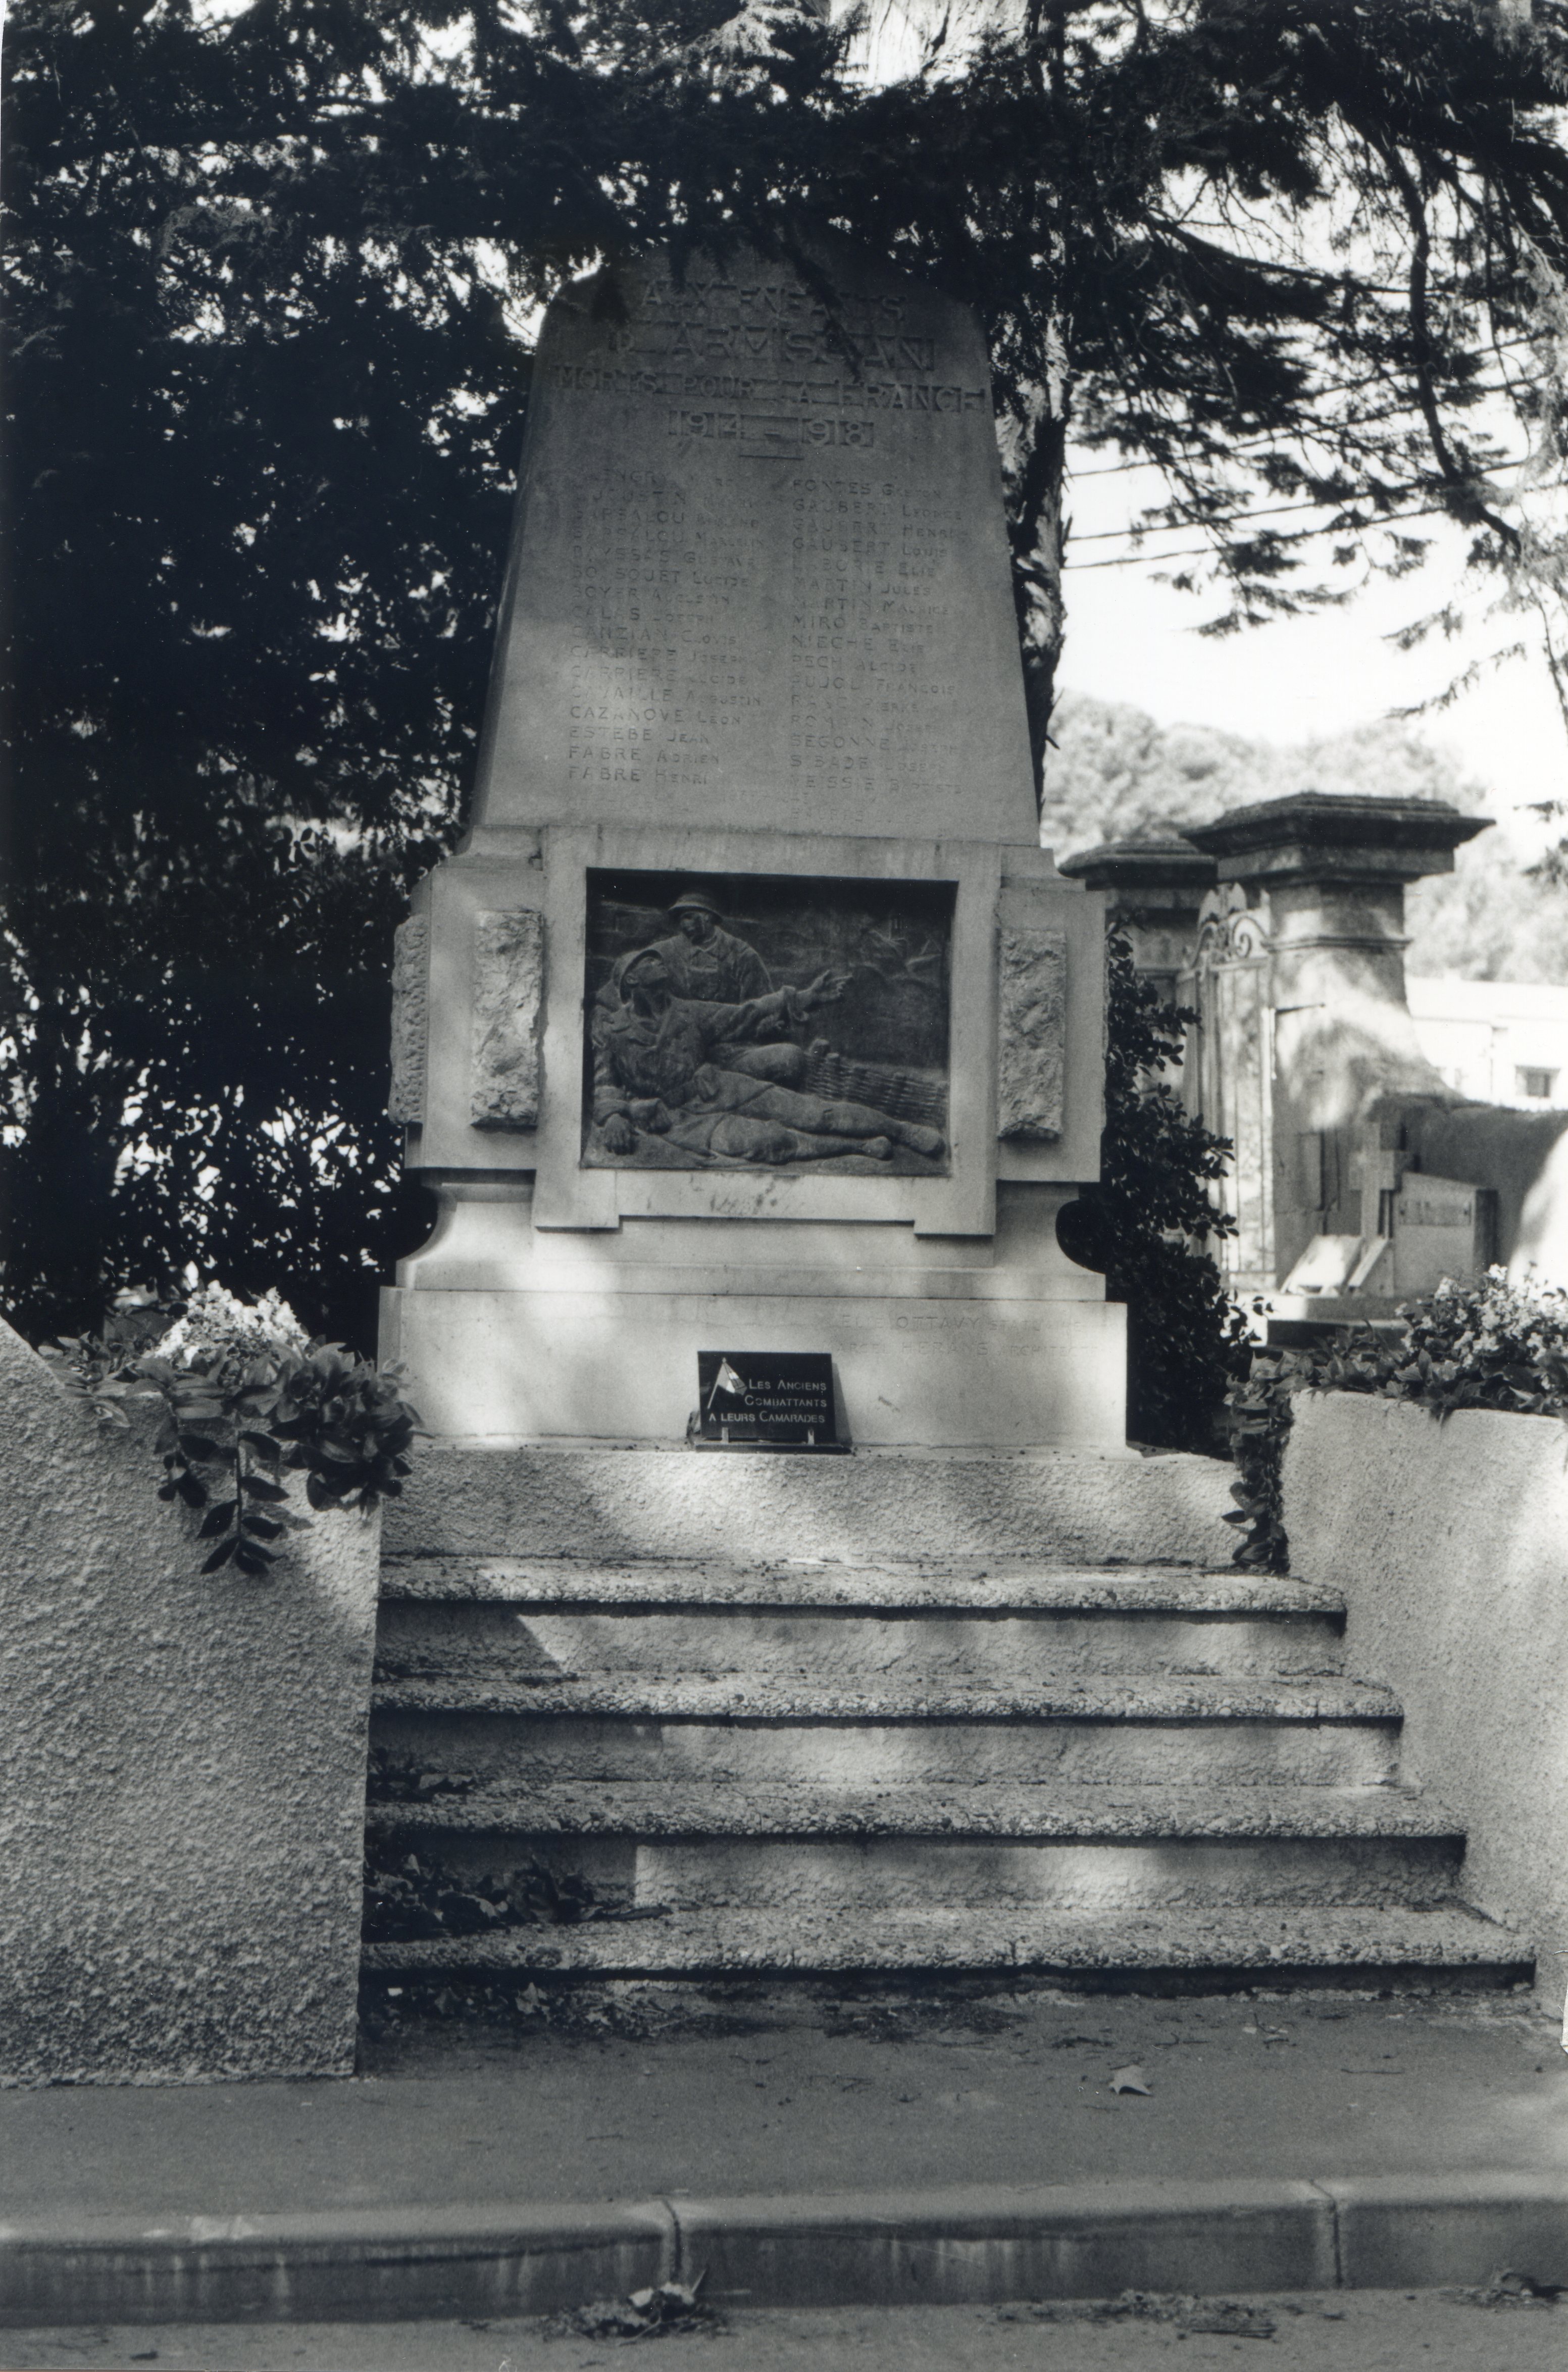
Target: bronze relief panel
772 1021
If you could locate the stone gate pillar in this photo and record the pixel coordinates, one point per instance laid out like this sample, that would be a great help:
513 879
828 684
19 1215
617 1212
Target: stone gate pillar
1155 884
1301 982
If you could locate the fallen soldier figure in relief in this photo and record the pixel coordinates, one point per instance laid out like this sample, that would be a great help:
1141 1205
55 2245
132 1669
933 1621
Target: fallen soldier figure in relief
723 1081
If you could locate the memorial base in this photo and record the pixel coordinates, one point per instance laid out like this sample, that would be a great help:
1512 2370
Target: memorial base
516 1334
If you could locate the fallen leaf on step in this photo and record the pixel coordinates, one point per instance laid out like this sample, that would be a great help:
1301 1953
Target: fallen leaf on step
1506 2288
671 2307
1226 2319
1129 2079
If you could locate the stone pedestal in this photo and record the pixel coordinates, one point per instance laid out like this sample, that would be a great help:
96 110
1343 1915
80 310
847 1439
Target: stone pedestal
750 1015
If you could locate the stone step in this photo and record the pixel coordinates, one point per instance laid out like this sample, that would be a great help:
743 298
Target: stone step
1165 1950
730 1698
609 1505
996 1624
877 1874
1134 1728
687 1847
493 1645
687 1809
982 1585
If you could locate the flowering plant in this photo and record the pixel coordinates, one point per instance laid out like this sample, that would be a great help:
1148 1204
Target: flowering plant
214 1321
246 1398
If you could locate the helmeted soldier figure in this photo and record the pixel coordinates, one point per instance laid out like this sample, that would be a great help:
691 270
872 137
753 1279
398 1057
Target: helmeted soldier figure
705 960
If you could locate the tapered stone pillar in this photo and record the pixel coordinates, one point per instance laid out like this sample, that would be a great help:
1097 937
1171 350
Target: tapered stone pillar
750 1015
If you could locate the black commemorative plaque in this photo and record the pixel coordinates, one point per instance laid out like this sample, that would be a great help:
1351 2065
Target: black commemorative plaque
765 1399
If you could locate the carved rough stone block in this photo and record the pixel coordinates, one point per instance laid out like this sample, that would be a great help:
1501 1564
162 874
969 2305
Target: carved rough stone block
509 1014
411 1021
1032 1039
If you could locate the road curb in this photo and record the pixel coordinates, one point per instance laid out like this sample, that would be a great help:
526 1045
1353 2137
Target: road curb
962 2246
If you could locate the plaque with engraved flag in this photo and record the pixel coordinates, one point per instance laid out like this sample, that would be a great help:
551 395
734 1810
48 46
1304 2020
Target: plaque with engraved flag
765 1399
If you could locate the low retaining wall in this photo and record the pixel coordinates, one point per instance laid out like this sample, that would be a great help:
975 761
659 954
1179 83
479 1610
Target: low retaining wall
1450 1543
182 1769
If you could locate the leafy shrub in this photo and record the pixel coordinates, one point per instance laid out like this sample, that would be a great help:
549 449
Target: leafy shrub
1258 1417
1489 1344
246 1399
1486 1345
1147 1223
409 1897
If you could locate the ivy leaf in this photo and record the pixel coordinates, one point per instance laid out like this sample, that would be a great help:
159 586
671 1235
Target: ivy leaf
191 1491
257 1527
217 1520
220 1556
196 1444
259 1487
265 1444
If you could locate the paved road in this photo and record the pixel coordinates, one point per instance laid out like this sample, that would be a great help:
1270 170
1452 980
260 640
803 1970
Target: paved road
1364 2330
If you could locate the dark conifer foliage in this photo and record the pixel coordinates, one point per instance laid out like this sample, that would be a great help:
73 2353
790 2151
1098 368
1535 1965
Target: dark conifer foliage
265 393
257 502
1148 1223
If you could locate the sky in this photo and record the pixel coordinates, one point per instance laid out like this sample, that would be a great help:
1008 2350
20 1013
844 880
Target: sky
1133 640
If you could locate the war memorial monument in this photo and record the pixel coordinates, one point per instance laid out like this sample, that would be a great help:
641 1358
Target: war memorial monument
750 1017
753 1047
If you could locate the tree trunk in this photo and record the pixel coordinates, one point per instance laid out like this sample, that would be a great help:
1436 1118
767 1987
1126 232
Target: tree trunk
1034 457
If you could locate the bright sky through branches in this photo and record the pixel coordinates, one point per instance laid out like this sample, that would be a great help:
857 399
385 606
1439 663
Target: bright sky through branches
1132 639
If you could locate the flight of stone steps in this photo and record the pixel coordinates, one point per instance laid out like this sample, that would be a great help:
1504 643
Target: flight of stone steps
820 1717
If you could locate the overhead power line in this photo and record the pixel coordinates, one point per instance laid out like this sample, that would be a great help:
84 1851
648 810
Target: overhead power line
1206 551
1306 433
1234 518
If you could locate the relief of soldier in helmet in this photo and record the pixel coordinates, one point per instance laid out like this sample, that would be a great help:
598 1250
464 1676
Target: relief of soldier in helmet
769 1022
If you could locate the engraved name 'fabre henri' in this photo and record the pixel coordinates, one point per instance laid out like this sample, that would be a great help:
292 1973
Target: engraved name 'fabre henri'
785 1023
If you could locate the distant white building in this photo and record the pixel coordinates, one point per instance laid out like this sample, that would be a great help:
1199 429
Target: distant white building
1502 1041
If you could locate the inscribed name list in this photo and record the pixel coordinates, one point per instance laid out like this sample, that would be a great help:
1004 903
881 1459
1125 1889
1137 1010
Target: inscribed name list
759 574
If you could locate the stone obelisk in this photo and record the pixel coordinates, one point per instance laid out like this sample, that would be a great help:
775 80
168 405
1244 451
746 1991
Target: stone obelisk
750 1015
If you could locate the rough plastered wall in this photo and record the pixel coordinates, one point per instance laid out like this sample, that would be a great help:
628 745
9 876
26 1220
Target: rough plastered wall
181 1770
1450 1543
